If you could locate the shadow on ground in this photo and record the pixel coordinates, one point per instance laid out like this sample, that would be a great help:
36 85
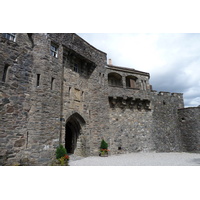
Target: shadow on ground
196 161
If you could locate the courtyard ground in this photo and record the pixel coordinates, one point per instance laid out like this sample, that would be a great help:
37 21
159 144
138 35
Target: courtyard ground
139 159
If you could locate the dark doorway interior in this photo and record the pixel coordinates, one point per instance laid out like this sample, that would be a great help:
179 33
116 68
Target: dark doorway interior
72 132
69 144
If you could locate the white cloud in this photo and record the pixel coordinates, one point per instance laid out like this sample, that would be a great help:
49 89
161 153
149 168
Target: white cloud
194 102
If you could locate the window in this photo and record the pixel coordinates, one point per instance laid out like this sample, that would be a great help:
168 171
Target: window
10 36
5 73
75 67
115 79
131 82
52 83
38 80
54 50
100 78
183 119
82 95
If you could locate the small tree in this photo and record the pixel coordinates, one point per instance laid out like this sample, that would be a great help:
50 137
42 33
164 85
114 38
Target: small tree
104 145
60 152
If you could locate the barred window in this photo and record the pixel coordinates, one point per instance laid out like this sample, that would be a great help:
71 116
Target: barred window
10 36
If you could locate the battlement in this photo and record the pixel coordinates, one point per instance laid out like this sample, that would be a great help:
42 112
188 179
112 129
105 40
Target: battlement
162 93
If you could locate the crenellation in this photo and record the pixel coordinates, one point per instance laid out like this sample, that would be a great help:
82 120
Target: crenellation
164 93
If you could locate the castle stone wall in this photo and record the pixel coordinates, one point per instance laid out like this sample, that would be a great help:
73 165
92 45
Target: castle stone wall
85 92
14 97
44 114
131 130
71 96
189 119
166 132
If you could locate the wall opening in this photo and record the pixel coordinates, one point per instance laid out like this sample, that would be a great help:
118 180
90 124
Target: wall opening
182 119
73 130
76 67
69 91
115 79
54 50
99 78
38 80
52 83
30 36
5 73
10 36
131 82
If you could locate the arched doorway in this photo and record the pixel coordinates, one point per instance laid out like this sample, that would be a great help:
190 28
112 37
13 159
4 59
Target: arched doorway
73 130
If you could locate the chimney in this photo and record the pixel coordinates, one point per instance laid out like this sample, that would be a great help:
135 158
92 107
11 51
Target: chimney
109 62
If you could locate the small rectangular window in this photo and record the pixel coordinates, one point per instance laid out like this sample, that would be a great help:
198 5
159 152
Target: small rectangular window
75 67
99 78
5 73
82 95
54 50
38 80
52 83
10 36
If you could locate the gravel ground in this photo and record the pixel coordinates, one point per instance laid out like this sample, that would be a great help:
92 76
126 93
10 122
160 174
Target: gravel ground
139 159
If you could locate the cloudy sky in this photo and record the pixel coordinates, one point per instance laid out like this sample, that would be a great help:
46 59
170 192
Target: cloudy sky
173 60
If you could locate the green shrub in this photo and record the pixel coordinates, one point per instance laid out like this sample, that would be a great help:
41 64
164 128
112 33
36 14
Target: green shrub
104 145
60 152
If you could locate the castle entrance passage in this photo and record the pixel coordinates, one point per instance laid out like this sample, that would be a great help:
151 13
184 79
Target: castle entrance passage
73 129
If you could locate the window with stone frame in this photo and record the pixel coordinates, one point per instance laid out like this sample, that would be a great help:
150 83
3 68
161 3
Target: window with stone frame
131 82
10 36
115 79
54 50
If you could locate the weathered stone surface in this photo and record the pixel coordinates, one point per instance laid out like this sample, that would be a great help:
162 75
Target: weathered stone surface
71 96
10 109
19 143
189 122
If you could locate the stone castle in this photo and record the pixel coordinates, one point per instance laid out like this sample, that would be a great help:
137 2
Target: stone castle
58 89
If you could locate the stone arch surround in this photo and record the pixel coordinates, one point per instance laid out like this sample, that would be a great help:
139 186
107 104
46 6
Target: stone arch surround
74 137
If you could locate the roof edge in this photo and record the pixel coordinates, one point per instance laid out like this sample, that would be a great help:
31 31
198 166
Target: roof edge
125 69
89 44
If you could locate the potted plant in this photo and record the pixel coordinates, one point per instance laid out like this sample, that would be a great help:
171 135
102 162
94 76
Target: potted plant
103 149
61 156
